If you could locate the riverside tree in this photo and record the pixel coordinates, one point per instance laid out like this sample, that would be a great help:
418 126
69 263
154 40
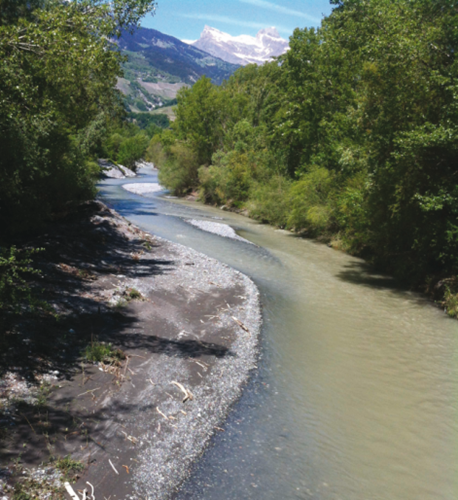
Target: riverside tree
352 135
57 96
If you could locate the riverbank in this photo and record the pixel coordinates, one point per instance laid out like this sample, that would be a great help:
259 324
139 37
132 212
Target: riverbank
440 288
185 329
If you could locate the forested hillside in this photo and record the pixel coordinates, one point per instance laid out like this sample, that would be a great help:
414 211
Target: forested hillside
158 65
351 136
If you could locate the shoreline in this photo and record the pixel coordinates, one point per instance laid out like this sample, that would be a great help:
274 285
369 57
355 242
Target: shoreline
195 328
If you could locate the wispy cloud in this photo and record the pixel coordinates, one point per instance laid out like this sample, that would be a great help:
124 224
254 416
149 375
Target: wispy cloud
214 18
282 10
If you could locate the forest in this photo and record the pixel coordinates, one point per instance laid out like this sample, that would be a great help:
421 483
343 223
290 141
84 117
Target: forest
350 137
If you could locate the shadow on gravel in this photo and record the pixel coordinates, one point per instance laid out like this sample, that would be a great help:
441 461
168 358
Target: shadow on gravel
78 251
84 256
186 348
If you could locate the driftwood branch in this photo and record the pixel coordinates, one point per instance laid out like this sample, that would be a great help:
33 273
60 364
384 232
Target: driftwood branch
242 326
113 467
71 491
187 393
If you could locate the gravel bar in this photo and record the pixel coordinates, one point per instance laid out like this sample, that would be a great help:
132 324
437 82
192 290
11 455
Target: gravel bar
198 326
223 230
142 187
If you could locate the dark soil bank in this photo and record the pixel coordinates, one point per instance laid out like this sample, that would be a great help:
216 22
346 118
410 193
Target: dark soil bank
188 327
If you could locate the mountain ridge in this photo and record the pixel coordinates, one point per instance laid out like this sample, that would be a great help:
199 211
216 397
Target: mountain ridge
159 65
242 49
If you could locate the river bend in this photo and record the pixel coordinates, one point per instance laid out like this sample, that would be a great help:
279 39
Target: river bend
356 397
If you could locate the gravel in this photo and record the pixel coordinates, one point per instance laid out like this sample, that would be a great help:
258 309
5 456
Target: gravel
142 187
217 228
161 466
207 317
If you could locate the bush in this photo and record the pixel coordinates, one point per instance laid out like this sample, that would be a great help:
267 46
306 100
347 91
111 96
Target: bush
112 145
269 202
100 352
155 152
179 171
228 180
140 105
310 200
132 149
14 289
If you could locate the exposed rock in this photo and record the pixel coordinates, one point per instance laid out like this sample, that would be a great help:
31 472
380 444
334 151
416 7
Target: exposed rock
243 49
114 171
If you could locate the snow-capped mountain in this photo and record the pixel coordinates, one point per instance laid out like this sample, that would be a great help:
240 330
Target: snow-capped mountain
243 49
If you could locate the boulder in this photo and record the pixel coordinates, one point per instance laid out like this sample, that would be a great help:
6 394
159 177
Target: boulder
113 171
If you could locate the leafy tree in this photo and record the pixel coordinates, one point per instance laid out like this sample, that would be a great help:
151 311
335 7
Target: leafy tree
352 134
57 95
200 119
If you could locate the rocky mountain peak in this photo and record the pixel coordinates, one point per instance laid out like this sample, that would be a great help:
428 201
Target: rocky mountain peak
242 49
272 32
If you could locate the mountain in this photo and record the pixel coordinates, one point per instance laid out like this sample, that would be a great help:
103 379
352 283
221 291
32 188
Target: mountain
159 65
243 49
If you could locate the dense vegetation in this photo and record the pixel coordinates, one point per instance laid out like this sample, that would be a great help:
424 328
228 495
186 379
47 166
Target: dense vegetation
351 136
57 105
126 140
57 97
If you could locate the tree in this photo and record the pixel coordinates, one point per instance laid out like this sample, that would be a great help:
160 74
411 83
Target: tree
57 94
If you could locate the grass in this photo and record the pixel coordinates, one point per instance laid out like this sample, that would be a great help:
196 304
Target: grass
67 466
147 245
101 352
134 294
28 488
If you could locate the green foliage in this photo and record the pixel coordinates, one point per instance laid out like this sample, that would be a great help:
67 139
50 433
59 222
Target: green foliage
311 203
134 294
132 149
270 202
354 134
450 303
57 98
228 179
20 494
14 289
200 115
127 142
100 352
67 466
155 152
145 120
179 173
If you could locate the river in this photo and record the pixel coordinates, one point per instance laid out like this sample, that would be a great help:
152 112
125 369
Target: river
356 396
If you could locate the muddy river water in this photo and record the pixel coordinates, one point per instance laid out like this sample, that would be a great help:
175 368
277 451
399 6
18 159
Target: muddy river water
356 397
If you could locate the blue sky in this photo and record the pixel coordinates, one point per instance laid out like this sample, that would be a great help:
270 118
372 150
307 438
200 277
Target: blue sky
185 19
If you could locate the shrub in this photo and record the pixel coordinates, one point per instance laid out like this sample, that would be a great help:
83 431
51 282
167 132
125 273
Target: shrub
132 149
269 202
179 171
98 351
14 289
155 152
113 144
228 180
311 204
